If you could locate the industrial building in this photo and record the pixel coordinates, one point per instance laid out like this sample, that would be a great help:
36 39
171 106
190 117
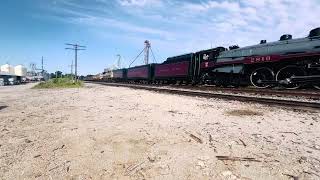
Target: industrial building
10 75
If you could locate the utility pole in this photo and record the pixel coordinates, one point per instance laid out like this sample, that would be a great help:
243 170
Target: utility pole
76 48
71 69
146 51
34 68
119 61
42 70
42 63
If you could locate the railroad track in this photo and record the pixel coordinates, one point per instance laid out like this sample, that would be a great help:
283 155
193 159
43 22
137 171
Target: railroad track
312 94
277 92
295 104
306 93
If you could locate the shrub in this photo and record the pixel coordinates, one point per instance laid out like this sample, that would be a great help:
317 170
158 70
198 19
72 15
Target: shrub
59 83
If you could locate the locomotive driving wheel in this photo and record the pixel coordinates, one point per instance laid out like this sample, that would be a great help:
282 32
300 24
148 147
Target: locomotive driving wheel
284 74
260 76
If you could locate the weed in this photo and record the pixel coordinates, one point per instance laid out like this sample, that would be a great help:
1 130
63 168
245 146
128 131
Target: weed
58 83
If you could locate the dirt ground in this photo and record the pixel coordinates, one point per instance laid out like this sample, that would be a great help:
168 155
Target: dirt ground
101 132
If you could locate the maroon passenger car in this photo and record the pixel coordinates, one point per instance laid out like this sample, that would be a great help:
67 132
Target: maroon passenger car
175 68
141 73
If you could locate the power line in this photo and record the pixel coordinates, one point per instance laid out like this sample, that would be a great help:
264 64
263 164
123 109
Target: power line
76 48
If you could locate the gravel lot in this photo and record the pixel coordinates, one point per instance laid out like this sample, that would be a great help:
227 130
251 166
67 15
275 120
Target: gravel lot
101 132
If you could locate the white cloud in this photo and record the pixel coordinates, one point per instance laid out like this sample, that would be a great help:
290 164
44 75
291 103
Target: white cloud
225 5
101 22
121 25
264 18
184 26
139 2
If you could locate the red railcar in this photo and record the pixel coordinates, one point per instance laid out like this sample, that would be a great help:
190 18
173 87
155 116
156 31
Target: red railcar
175 68
172 70
143 73
119 74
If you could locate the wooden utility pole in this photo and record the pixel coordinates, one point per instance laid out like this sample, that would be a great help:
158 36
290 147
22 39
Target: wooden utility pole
71 69
76 48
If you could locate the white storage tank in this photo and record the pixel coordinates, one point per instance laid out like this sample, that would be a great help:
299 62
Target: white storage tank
7 68
20 70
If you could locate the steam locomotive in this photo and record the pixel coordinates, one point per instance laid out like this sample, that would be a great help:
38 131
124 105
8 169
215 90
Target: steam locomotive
290 63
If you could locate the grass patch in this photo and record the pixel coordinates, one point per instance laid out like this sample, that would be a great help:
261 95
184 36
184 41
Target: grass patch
59 83
243 112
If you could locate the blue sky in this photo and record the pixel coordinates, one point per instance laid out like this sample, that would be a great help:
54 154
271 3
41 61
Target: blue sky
34 28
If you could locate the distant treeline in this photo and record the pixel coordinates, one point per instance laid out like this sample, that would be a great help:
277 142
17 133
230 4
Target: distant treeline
59 74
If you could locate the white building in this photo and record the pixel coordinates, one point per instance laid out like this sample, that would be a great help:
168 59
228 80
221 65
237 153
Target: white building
20 70
7 68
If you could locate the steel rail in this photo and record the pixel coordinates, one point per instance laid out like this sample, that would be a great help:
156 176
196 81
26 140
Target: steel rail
297 93
303 105
306 93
